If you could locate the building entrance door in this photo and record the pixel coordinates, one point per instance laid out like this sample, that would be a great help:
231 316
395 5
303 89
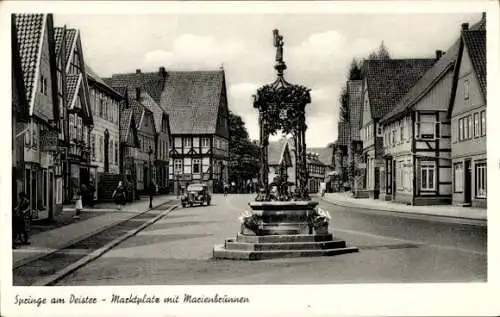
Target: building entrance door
467 182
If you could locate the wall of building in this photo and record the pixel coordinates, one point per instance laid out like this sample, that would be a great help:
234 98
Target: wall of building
105 111
472 144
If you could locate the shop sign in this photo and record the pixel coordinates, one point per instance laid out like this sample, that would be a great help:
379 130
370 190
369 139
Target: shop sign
48 140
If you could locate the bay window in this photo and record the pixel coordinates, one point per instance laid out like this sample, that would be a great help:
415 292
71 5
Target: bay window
458 177
481 180
427 175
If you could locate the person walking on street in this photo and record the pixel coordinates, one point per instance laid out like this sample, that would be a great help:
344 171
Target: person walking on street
119 195
225 190
78 205
22 219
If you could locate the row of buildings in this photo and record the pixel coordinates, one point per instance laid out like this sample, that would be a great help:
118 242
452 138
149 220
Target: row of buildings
417 127
157 131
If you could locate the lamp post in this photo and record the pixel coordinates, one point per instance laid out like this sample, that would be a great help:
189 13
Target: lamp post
150 179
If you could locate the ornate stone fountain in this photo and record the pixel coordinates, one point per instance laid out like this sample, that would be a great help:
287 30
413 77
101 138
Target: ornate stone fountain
288 223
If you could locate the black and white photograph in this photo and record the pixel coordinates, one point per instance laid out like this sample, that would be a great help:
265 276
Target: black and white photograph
241 148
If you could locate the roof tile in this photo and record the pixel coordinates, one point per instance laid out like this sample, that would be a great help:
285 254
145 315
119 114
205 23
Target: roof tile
475 41
354 88
389 80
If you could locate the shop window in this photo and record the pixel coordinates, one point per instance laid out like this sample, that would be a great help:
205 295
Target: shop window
427 176
481 177
458 177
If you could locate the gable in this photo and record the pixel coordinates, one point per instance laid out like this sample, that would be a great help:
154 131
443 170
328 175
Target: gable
438 97
45 82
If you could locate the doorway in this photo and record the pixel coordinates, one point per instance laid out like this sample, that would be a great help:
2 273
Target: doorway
467 182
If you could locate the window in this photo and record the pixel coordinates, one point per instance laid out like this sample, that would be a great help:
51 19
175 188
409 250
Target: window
101 107
483 123
43 85
101 149
461 129
401 134
470 132
477 129
427 174
466 89
466 128
426 126
481 180
187 142
458 177
178 167
196 166
92 146
205 142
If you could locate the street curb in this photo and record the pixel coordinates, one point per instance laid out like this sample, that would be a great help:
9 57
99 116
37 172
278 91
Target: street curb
350 205
54 278
35 257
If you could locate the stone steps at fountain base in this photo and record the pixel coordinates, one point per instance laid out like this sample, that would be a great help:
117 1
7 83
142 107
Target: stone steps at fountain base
284 238
231 244
219 252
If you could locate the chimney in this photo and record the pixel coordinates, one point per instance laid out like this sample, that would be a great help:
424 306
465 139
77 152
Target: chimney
439 53
465 26
138 71
162 72
138 93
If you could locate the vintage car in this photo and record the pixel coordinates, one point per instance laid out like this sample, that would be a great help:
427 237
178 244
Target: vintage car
196 194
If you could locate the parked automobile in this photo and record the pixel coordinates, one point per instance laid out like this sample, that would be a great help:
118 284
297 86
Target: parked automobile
196 194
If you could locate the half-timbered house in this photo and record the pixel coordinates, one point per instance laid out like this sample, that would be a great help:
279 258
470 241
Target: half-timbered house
385 82
197 104
468 119
77 108
38 65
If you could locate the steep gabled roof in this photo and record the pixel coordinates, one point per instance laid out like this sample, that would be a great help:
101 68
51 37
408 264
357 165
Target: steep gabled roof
445 64
70 39
138 111
152 106
18 89
430 78
73 84
30 31
354 90
475 42
192 100
389 80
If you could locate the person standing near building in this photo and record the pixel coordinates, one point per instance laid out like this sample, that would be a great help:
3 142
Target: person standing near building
78 205
22 219
119 195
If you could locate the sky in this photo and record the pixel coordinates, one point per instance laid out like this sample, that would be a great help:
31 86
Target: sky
318 50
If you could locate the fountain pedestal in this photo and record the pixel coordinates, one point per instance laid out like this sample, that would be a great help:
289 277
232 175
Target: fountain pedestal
282 229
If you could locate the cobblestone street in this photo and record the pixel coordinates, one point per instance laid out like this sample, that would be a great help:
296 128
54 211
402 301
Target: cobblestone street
393 248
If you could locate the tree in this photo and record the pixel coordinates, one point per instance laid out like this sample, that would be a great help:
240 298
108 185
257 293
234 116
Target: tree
354 70
244 163
383 53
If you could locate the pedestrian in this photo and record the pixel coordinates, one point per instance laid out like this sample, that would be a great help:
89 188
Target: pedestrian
119 195
225 190
78 204
22 219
